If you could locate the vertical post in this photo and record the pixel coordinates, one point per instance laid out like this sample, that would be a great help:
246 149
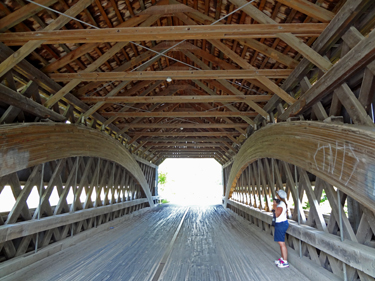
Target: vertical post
157 182
40 205
74 189
260 193
98 183
273 175
341 229
298 209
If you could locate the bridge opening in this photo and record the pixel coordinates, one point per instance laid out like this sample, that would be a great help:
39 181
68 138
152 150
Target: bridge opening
191 181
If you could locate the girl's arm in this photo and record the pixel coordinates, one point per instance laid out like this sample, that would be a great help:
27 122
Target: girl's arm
278 212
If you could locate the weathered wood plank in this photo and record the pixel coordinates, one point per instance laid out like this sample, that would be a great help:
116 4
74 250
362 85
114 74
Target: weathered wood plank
126 34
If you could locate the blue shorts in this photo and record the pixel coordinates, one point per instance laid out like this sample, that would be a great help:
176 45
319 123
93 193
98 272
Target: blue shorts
280 230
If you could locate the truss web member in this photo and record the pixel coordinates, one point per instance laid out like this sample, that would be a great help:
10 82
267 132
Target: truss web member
281 225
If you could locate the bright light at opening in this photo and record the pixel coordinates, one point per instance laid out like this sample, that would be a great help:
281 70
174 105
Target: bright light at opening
67 122
191 181
169 79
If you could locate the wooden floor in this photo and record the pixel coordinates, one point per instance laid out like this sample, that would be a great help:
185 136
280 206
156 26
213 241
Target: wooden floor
211 245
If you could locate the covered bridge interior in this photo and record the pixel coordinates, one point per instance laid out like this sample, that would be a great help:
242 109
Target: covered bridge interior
96 94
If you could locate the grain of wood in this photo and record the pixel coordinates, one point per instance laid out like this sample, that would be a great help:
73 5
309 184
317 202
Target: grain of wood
211 245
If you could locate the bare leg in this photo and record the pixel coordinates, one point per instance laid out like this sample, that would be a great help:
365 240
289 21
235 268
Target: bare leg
283 250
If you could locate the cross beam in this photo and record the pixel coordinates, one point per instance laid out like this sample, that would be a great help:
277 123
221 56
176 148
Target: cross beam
126 34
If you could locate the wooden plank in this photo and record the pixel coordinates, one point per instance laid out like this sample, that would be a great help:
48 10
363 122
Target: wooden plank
230 107
126 34
68 87
179 114
85 48
177 99
367 91
355 109
184 134
176 144
23 13
184 125
102 59
359 56
309 9
175 75
195 140
167 10
13 98
10 232
289 38
326 242
241 62
338 156
27 48
12 111
270 52
76 139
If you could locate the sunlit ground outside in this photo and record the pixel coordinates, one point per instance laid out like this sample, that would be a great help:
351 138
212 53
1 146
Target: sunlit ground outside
191 181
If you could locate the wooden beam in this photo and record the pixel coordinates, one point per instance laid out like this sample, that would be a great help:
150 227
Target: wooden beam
288 38
92 67
269 52
227 85
177 99
85 48
155 144
184 134
167 10
184 150
194 114
126 34
310 9
230 107
252 43
184 125
28 47
361 55
124 67
346 17
193 140
175 75
244 64
13 98
23 13
355 109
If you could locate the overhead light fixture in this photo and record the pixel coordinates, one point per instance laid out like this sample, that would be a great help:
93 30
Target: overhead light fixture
169 79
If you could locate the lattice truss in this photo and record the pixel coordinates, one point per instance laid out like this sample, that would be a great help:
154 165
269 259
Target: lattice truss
90 191
217 64
257 186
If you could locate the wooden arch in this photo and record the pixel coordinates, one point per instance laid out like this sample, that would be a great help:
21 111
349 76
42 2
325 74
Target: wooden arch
24 145
343 156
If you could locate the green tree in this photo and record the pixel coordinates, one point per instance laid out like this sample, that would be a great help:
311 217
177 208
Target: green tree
162 178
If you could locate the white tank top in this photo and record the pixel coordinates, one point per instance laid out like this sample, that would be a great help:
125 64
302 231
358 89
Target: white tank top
282 216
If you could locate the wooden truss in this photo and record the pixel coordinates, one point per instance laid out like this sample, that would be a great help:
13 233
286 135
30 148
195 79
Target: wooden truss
313 240
91 191
222 59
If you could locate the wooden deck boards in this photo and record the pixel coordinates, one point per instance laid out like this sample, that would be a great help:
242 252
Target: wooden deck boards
211 245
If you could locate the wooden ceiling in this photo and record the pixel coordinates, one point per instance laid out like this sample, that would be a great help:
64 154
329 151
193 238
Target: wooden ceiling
222 72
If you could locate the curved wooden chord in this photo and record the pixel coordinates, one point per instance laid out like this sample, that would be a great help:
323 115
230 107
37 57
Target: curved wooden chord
28 145
342 155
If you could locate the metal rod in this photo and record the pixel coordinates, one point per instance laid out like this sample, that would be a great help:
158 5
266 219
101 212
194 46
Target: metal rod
298 209
39 206
74 189
341 229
